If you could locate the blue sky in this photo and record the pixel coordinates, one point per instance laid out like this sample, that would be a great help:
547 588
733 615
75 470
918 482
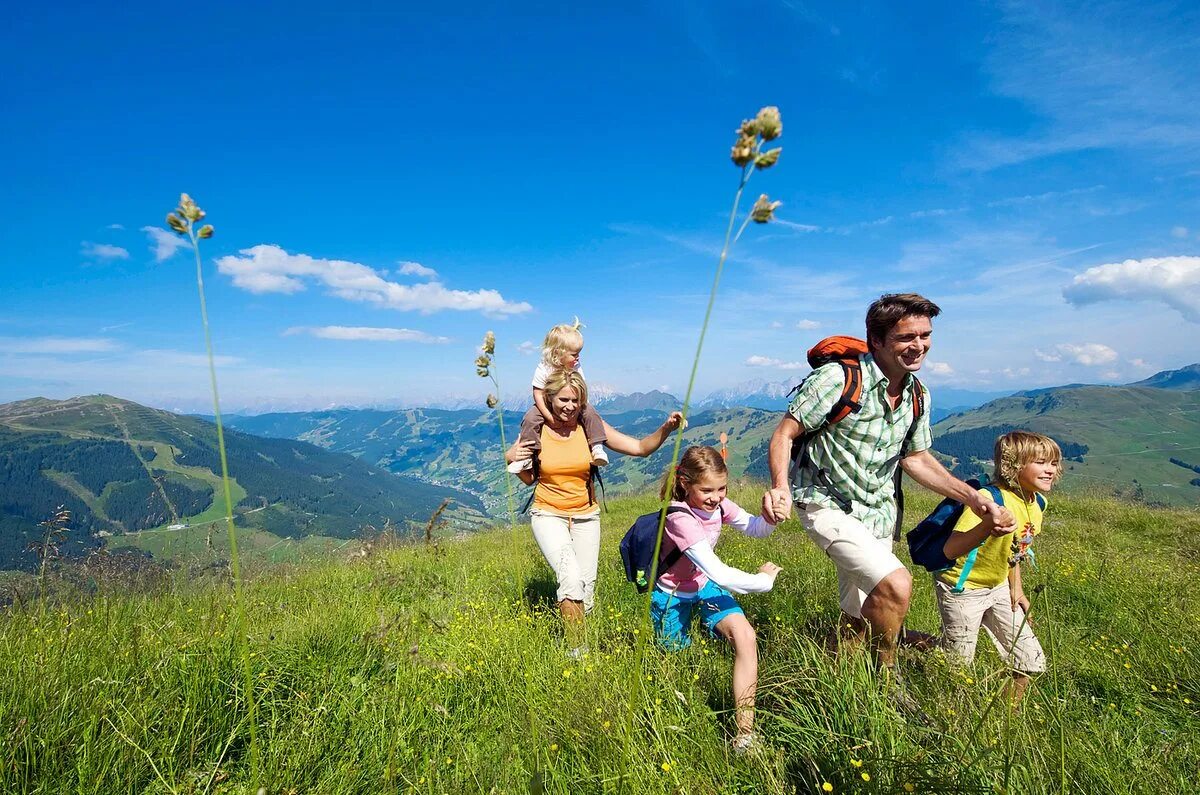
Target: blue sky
428 175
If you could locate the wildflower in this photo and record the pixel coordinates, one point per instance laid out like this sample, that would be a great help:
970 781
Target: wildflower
908 787
866 776
827 787
553 746
666 766
606 724
763 209
856 762
769 123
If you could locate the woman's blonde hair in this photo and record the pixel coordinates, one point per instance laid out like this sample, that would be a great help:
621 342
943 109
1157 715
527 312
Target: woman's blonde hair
696 462
558 339
1017 449
560 379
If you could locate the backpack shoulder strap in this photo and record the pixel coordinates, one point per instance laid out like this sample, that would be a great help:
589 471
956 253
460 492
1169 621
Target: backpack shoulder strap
675 554
1041 501
969 563
850 401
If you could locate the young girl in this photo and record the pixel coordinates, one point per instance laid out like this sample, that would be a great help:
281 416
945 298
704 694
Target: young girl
698 580
984 585
560 351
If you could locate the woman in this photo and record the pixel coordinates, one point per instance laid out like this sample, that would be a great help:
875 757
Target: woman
565 515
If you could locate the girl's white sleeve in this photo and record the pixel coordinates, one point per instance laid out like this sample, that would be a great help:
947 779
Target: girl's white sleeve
753 526
701 553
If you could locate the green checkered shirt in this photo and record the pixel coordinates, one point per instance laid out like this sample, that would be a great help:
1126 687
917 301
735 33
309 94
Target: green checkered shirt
860 454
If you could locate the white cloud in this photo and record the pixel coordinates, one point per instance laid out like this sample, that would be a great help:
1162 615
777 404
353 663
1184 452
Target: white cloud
169 358
367 333
270 269
793 225
1174 281
1141 364
776 324
527 347
1180 232
164 242
939 368
417 269
117 227
807 325
1089 354
778 364
102 251
53 345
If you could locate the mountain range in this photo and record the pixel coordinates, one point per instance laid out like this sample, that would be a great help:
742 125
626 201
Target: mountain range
123 469
132 474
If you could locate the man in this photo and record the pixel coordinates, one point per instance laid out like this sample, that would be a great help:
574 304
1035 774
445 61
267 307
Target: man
853 462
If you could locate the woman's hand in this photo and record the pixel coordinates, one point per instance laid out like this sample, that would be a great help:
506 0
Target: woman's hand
520 451
675 420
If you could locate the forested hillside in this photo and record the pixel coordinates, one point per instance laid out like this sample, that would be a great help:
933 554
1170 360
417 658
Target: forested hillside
123 468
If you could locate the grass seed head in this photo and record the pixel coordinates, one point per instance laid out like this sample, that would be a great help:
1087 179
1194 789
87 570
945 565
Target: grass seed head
206 231
744 150
763 209
769 123
768 158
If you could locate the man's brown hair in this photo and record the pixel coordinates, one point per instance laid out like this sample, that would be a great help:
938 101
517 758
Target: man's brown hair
890 309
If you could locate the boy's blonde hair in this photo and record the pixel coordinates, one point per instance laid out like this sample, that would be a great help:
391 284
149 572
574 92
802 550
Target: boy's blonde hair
695 463
560 379
1015 450
558 339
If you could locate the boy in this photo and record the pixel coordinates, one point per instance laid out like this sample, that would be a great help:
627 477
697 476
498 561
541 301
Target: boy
984 585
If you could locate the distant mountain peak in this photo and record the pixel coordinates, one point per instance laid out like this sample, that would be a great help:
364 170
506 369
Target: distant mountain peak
1185 378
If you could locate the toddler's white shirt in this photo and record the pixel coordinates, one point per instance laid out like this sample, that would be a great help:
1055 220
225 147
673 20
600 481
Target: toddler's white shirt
543 372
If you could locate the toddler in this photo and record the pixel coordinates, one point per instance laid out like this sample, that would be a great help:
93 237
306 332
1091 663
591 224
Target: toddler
560 351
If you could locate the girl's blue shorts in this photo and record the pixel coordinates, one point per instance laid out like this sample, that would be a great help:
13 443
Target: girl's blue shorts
672 613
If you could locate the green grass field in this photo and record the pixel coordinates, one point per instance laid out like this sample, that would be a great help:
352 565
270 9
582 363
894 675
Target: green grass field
441 669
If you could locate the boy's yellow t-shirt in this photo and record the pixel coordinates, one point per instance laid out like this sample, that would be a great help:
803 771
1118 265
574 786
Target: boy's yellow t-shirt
997 554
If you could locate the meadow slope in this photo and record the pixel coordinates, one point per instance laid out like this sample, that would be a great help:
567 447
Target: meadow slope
440 669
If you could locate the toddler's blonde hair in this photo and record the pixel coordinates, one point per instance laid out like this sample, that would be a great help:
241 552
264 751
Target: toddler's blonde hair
558 339
1015 450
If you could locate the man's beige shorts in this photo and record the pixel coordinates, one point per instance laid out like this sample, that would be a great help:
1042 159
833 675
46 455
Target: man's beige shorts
862 560
964 613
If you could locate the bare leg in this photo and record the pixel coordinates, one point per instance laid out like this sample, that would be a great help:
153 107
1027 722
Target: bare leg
1016 688
737 630
884 610
572 615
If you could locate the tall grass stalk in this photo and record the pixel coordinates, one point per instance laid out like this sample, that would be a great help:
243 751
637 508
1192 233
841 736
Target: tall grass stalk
183 221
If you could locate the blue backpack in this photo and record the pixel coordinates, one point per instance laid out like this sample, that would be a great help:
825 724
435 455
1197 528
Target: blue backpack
927 540
637 548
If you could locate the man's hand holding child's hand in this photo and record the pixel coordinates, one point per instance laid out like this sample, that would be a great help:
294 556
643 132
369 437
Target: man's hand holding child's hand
777 505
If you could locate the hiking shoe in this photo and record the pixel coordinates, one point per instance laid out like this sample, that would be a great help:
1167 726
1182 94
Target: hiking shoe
599 457
746 744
